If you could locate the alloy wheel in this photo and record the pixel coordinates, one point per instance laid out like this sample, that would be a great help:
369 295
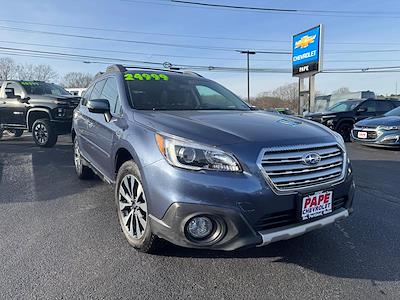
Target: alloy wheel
132 206
41 133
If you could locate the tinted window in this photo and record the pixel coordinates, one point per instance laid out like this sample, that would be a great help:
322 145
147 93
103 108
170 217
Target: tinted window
182 93
43 88
97 89
370 105
110 92
344 106
384 106
396 103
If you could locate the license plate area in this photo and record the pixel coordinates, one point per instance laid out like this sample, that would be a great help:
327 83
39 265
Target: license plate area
362 135
315 205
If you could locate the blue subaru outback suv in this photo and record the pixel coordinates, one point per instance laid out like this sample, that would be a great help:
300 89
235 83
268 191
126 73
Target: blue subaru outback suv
195 165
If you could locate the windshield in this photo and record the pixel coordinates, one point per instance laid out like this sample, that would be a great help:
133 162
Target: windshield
393 113
43 88
344 106
179 93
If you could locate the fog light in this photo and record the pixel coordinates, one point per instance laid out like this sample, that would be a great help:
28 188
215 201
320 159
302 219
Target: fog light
200 227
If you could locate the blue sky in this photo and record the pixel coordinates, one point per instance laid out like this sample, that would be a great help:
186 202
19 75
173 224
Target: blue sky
158 16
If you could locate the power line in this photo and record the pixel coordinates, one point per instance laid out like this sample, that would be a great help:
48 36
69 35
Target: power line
267 9
109 60
199 47
138 42
290 11
145 32
186 56
184 35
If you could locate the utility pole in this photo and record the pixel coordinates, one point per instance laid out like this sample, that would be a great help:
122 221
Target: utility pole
248 53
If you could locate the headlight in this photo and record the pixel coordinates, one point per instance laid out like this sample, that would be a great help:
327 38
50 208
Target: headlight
388 127
192 156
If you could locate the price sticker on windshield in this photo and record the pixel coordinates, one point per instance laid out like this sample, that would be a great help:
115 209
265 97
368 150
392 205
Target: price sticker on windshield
146 77
29 83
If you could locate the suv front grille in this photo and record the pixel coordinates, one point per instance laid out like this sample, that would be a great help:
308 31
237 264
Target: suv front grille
289 217
285 169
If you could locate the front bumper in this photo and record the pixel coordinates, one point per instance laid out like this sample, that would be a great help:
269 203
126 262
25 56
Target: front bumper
62 126
377 137
244 204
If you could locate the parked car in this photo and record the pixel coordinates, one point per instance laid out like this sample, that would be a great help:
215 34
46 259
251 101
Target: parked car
45 109
379 131
342 116
194 165
322 103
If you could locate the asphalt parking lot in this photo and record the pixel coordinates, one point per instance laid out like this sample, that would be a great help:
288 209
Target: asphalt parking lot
59 239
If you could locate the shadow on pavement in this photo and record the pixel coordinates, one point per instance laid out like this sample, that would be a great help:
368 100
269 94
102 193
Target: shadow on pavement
48 172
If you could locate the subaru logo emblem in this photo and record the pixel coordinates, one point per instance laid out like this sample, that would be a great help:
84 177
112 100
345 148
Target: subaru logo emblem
311 159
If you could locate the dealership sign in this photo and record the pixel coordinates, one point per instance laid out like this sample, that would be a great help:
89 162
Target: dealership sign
307 52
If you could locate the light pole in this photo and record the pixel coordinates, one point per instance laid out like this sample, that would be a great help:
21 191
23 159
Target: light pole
248 53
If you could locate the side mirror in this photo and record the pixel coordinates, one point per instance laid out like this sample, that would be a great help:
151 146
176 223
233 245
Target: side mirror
98 106
23 100
362 109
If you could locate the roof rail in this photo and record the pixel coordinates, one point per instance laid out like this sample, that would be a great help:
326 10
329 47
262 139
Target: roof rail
123 68
116 68
192 73
155 69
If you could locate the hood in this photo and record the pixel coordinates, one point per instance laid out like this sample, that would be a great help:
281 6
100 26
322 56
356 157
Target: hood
322 114
381 120
233 127
69 99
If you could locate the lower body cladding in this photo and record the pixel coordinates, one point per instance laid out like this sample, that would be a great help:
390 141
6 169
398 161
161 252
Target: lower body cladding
229 219
377 138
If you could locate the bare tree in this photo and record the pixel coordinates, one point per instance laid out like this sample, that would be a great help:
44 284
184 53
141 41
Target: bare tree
44 73
36 72
342 90
284 96
8 68
77 80
25 72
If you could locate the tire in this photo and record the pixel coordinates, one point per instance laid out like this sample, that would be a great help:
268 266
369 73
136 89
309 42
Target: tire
131 217
83 172
1 133
18 132
44 134
344 130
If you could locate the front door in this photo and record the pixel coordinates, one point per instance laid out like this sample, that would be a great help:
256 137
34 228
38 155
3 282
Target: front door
13 111
104 135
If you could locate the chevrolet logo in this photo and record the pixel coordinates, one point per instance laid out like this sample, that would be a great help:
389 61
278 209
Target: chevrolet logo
305 41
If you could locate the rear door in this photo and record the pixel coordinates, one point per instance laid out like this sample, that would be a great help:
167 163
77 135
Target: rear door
86 122
370 106
103 134
81 122
13 111
383 106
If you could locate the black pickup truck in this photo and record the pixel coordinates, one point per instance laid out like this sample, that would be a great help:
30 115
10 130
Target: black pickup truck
45 109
